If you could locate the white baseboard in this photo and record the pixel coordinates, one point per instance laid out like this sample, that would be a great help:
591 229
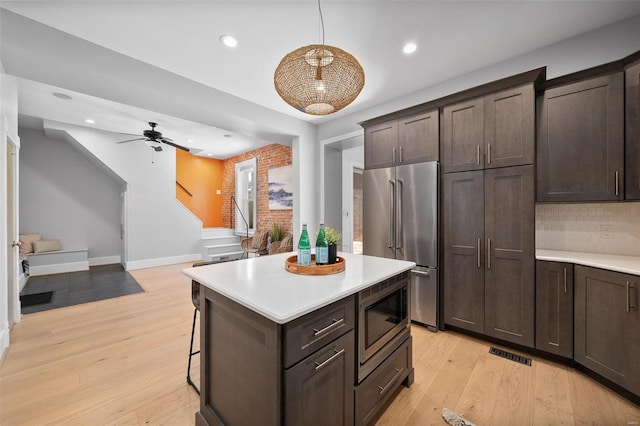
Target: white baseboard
151 263
104 260
4 343
58 268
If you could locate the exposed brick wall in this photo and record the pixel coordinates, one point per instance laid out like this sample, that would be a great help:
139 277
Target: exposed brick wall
269 157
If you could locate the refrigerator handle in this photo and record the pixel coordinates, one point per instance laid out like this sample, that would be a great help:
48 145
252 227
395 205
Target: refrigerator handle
392 191
400 229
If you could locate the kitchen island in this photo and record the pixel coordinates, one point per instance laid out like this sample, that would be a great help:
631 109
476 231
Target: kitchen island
281 348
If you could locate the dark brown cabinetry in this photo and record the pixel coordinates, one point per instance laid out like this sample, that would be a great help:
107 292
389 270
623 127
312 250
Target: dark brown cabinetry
378 387
607 325
580 151
496 130
554 308
632 142
463 224
319 390
489 259
407 140
299 372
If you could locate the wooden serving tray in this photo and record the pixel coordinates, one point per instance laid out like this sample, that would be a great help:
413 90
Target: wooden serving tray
291 265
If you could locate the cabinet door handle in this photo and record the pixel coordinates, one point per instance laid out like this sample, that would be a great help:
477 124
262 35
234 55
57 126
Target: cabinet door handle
488 253
337 353
488 153
400 160
335 324
393 155
478 255
629 305
384 388
617 185
478 155
565 280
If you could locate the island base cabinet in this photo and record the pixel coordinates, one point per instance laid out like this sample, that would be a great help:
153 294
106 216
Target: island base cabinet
607 325
319 389
374 391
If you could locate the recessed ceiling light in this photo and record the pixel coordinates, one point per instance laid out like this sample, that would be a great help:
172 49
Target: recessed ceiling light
62 96
227 136
409 48
228 40
210 155
90 121
189 140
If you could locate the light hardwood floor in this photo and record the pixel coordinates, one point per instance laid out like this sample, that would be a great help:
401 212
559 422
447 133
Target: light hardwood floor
123 362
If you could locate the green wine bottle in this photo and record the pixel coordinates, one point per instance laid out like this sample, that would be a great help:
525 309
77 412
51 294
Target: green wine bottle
322 247
304 247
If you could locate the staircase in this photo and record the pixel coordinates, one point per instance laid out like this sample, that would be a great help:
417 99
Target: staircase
220 244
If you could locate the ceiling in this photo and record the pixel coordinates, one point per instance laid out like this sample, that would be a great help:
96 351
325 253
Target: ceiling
453 38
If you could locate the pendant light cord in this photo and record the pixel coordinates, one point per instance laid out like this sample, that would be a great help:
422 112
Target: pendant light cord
321 21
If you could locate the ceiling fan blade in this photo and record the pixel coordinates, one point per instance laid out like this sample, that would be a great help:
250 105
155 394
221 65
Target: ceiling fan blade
170 142
131 140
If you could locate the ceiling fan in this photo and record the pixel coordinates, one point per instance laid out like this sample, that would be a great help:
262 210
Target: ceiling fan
154 139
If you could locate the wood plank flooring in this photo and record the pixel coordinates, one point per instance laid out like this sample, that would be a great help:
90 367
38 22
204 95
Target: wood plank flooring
123 362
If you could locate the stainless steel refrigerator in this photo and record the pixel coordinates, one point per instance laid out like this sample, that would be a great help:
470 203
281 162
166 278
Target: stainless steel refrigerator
400 221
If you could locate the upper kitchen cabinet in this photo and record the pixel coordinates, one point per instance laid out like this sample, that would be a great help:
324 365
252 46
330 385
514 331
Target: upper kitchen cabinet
496 130
632 143
463 136
580 152
407 140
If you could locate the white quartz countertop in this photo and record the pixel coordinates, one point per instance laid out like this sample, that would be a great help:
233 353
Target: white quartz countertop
613 262
263 285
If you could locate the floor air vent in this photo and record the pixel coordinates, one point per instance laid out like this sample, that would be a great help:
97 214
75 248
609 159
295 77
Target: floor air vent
510 356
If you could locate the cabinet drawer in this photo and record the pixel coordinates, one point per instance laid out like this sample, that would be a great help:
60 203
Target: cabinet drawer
309 333
376 389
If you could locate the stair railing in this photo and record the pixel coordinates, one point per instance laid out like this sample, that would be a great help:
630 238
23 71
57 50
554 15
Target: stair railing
233 198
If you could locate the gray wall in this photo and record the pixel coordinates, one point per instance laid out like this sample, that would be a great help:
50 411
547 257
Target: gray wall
65 196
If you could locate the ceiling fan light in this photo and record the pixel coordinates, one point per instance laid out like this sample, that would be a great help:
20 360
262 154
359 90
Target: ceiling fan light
319 79
153 144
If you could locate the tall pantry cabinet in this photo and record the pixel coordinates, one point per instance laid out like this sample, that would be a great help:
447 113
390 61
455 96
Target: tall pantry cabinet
488 214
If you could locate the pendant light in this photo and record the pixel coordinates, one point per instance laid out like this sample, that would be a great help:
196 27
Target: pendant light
319 79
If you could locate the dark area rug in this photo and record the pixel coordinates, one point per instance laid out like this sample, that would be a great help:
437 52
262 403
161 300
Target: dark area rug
27 300
98 283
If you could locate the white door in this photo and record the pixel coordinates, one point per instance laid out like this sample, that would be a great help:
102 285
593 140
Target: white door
123 229
13 255
246 216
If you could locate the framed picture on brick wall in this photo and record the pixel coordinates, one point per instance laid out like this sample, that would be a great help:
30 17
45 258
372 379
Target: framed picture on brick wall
281 188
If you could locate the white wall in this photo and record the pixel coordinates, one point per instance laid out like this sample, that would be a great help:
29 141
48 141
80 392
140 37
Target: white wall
8 128
160 230
603 45
64 196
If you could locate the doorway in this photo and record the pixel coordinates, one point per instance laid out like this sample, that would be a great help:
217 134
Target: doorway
13 257
356 207
246 214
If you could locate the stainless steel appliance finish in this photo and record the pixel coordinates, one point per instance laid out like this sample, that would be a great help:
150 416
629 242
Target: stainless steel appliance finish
400 220
383 321
424 291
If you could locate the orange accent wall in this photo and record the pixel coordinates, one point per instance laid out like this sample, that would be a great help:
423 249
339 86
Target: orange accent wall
202 177
269 157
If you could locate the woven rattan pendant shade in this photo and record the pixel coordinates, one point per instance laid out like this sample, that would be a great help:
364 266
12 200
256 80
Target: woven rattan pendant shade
319 79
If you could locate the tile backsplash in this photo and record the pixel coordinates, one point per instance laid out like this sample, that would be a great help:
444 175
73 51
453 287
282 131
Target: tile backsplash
612 228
